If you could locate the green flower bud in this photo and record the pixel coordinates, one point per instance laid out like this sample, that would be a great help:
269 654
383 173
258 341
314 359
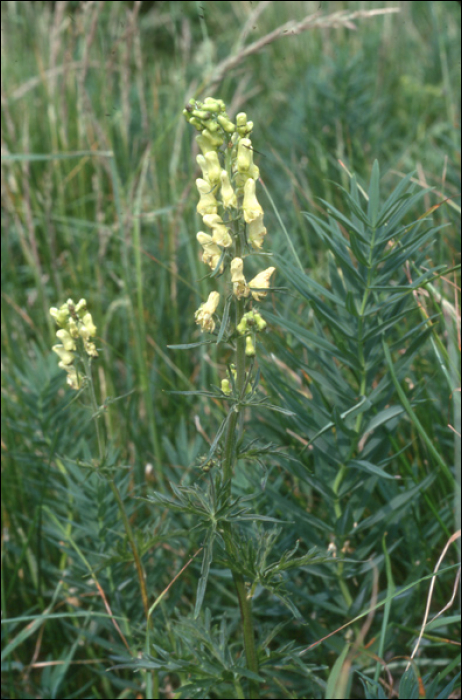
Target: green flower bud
200 114
249 347
226 124
213 105
259 321
242 326
226 386
196 123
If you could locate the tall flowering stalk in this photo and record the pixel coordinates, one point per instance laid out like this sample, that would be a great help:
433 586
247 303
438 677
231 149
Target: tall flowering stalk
76 350
233 229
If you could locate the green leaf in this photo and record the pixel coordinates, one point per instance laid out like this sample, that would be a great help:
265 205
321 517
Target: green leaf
188 346
366 466
202 585
373 204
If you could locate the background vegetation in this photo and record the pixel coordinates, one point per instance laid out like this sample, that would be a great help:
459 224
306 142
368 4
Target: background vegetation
98 201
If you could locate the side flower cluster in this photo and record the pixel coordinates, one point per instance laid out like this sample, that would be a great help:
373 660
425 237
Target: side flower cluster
75 322
227 200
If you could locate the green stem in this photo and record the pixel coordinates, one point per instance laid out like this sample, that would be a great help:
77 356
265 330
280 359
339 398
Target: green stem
229 459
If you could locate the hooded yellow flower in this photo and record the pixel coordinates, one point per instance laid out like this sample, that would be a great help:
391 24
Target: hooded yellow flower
240 288
261 281
207 203
212 252
204 313
220 233
251 206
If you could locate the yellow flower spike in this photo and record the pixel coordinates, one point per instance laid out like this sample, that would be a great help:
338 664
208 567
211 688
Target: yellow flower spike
204 313
66 357
212 252
256 232
249 347
261 281
228 195
251 207
207 203
220 233
66 339
240 288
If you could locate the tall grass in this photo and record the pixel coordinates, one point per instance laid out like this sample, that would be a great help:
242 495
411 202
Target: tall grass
98 200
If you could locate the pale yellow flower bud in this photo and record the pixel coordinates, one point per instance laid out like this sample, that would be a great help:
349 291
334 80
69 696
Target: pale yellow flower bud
205 143
261 281
88 329
61 315
226 386
256 232
207 203
73 327
90 348
227 193
220 233
66 357
212 252
80 306
213 167
204 313
251 207
66 339
244 155
240 288
73 379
